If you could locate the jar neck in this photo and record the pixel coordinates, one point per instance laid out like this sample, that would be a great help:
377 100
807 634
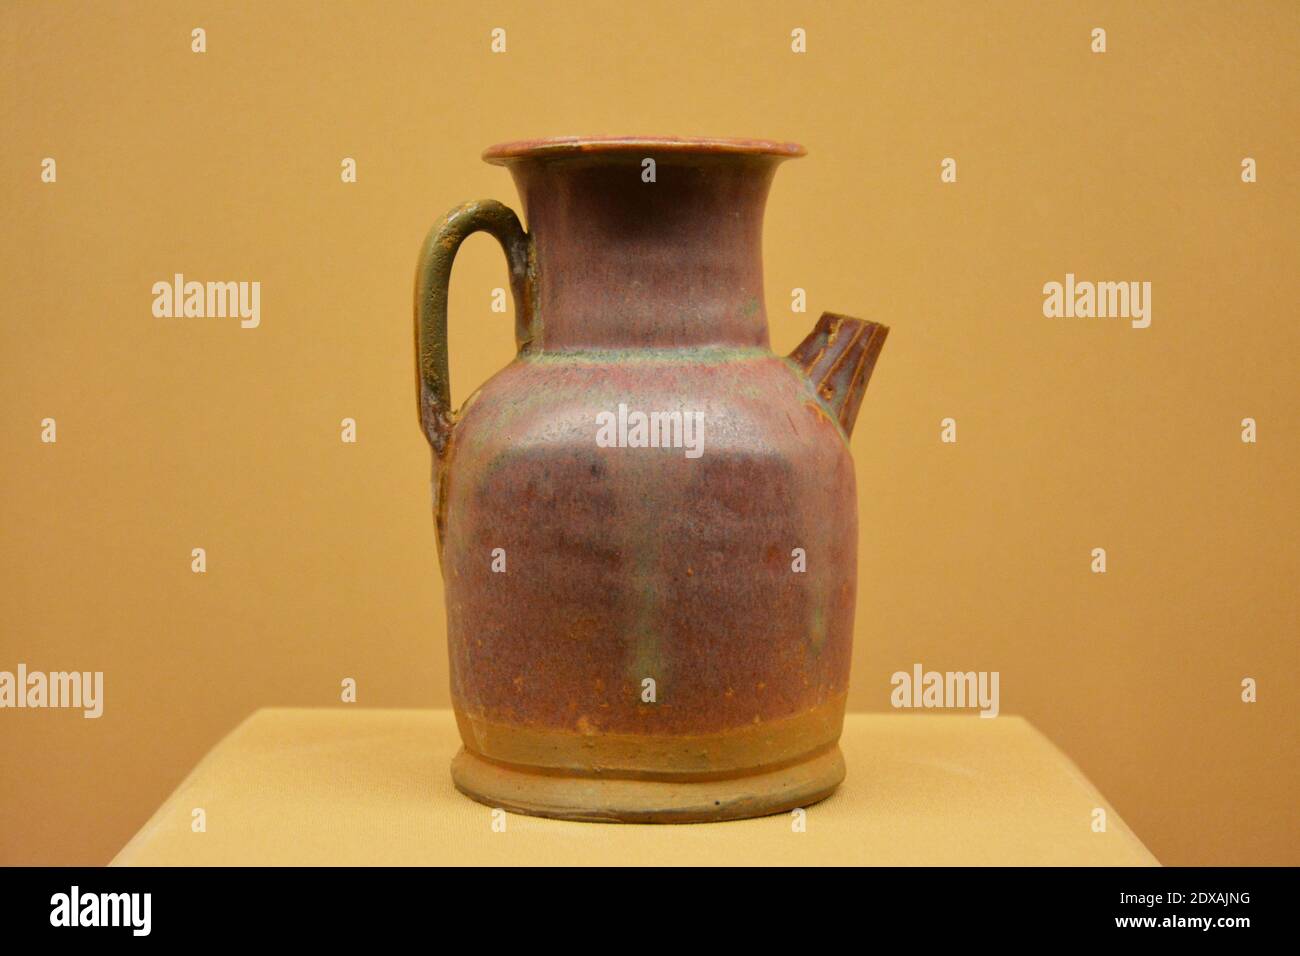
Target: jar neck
626 261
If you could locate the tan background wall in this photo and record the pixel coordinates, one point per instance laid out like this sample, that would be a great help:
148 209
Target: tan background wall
1073 433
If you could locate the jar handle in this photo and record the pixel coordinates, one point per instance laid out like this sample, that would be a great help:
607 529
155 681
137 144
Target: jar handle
432 279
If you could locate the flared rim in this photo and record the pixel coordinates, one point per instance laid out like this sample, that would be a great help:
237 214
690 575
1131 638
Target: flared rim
559 146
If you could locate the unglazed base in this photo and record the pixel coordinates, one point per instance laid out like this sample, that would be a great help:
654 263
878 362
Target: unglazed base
627 800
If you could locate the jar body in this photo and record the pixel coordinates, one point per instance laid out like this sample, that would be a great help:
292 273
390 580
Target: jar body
648 621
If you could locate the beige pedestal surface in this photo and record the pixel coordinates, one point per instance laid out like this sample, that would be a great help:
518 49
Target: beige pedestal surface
351 786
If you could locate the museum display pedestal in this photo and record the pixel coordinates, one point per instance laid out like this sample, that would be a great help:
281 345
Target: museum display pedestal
349 786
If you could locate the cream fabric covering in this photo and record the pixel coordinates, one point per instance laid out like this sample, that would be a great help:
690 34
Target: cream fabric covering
354 786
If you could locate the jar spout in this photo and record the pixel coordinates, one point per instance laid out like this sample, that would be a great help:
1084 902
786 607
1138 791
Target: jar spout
838 357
